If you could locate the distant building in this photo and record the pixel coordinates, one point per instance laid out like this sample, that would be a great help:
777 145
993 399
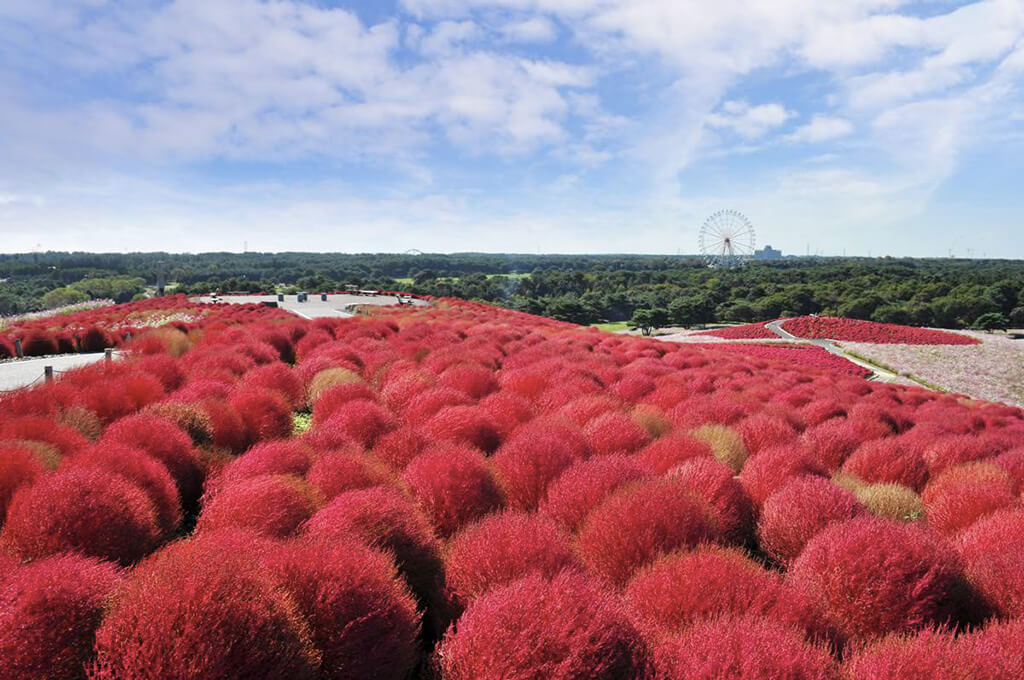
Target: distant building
767 253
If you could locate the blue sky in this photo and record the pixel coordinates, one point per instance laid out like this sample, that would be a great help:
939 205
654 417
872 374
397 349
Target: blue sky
862 126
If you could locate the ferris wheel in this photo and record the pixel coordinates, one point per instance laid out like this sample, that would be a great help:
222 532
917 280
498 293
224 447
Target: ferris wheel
727 239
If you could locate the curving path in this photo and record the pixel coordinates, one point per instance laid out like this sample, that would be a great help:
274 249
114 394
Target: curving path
878 373
23 372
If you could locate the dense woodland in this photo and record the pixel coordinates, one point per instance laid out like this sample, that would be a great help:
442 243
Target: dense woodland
662 290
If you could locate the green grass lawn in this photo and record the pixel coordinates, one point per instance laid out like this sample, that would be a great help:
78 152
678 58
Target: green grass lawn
613 326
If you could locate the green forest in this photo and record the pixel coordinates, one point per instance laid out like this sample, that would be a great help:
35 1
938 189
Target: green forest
585 289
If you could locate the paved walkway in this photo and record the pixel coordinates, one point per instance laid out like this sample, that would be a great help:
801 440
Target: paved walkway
830 346
22 372
333 306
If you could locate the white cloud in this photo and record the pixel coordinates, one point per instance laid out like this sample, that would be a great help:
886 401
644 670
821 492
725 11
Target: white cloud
536 29
821 129
749 121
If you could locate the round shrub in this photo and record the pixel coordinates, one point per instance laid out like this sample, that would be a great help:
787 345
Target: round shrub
94 339
731 510
998 650
831 442
474 380
38 344
960 495
204 608
49 612
944 452
993 554
501 548
762 431
361 617
95 512
229 430
336 472
769 470
265 413
638 523
891 501
383 518
800 510
279 378
19 465
873 576
741 649
583 485
42 429
331 400
422 406
726 445
533 456
565 628
142 470
615 432
360 420
6 349
163 440
453 486
271 505
890 460
925 655
682 588
398 447
665 453
584 409
463 425
506 410
278 457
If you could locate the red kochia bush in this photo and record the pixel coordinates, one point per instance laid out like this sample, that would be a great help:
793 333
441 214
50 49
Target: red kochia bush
463 424
533 456
640 522
337 397
94 339
42 429
962 494
6 349
998 650
565 628
731 510
398 447
165 441
893 459
926 655
475 380
770 470
92 511
798 511
271 505
993 553
339 471
19 465
874 576
681 589
265 413
741 649
360 420
38 344
453 486
665 453
204 608
762 431
506 410
383 518
361 616
49 612
279 378
585 484
279 457
142 470
615 432
501 548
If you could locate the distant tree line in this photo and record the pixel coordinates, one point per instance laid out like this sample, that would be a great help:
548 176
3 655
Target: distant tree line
579 288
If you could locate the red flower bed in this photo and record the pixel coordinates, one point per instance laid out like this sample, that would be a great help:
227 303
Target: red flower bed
459 491
747 331
856 330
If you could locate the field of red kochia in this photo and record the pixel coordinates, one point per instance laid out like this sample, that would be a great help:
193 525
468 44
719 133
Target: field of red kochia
483 494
